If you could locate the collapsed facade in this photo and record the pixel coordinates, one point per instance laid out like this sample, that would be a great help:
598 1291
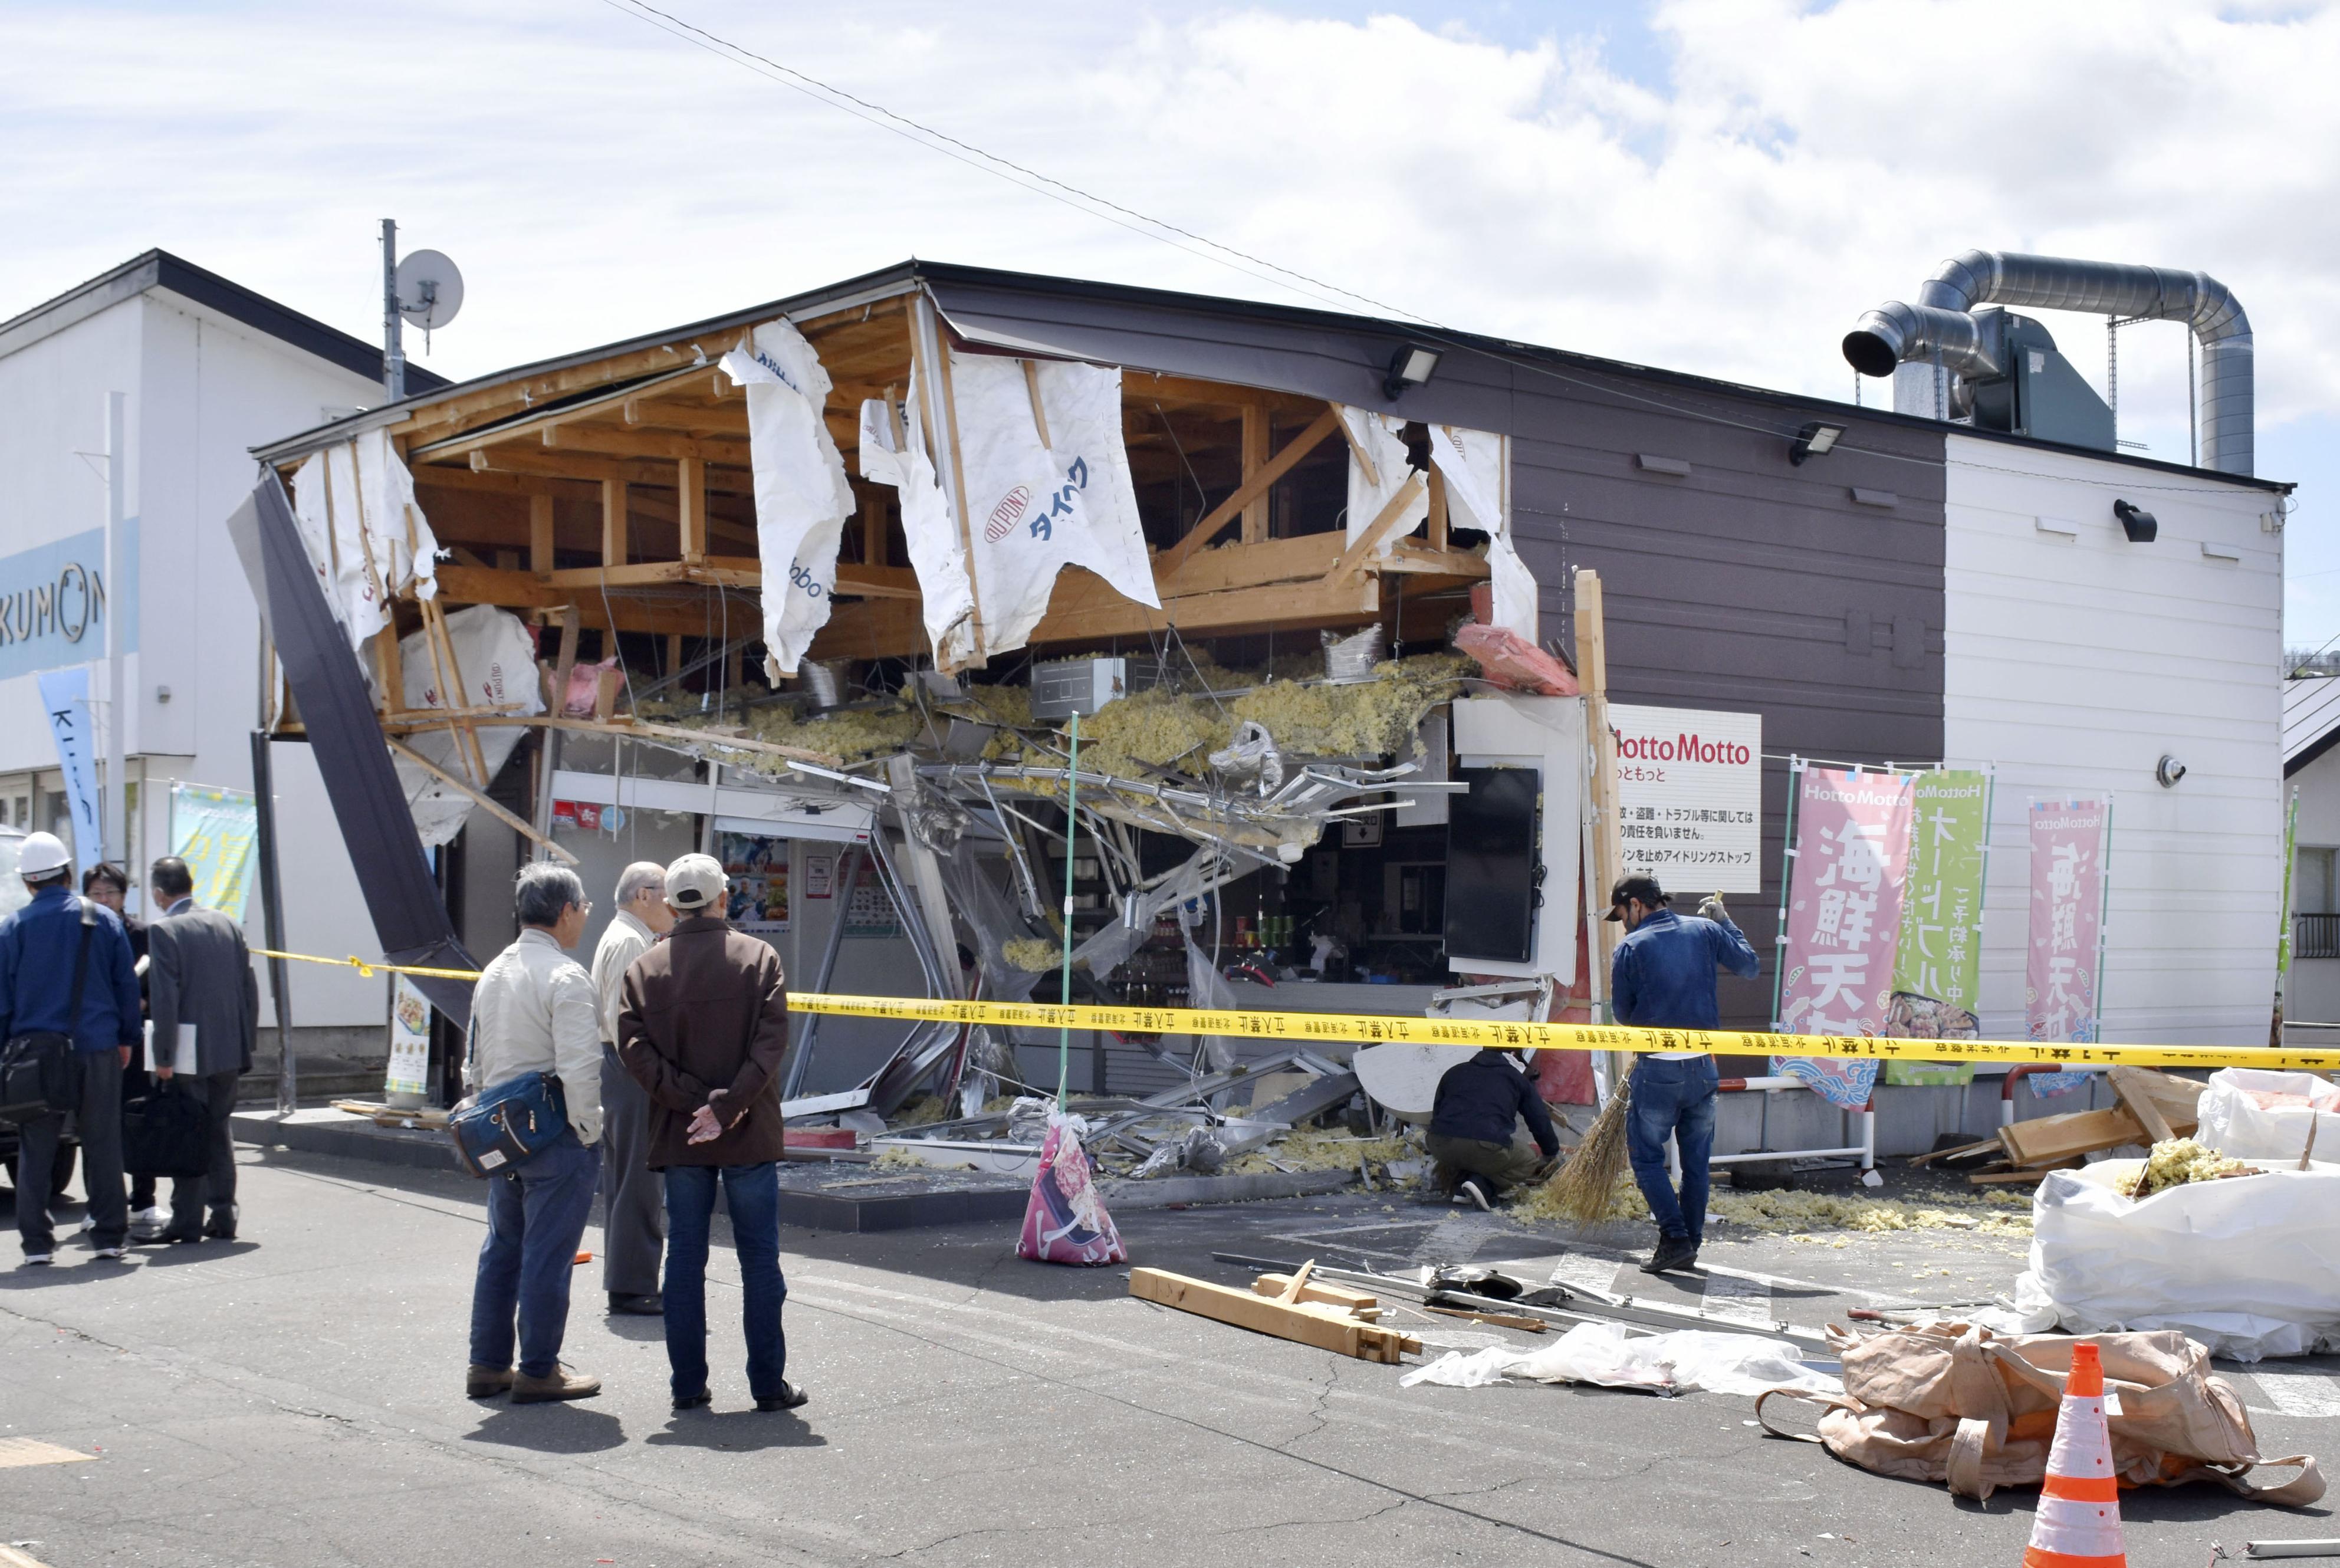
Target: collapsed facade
817 586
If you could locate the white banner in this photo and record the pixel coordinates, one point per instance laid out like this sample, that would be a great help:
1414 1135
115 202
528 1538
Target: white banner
1689 797
354 501
1377 471
497 658
1477 469
802 496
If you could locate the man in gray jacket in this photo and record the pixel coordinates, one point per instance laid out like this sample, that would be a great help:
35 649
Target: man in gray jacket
199 976
633 1225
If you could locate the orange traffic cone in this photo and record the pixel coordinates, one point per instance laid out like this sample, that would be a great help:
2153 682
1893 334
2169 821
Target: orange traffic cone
2079 1522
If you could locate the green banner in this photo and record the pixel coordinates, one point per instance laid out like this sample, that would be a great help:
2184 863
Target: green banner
1938 971
217 833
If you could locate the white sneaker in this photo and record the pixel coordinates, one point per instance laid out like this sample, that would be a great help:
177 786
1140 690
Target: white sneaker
37 1259
113 1254
158 1216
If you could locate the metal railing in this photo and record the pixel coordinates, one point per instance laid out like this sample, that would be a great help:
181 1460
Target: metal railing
2316 937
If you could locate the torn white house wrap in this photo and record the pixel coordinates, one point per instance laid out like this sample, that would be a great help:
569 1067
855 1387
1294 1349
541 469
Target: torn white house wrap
1377 473
1038 503
802 496
1477 469
367 539
898 454
497 656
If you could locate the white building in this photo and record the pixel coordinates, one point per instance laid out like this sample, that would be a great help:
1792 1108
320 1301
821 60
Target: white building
207 369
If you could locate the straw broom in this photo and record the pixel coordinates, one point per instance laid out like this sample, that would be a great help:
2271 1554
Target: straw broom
1587 1183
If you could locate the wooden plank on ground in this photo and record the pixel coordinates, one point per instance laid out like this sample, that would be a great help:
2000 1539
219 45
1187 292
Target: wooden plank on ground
2169 1107
2047 1140
1357 1302
1325 1328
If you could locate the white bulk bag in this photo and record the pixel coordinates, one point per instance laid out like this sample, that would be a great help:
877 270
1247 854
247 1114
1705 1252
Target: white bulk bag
2239 1123
498 660
354 501
2249 1265
802 496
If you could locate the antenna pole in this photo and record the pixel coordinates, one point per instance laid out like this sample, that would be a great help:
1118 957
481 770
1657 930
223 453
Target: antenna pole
393 356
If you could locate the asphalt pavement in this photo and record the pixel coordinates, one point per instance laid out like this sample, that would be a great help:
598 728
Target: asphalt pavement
295 1398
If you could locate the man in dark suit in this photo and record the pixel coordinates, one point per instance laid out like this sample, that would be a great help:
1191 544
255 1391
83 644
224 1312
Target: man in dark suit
199 973
108 884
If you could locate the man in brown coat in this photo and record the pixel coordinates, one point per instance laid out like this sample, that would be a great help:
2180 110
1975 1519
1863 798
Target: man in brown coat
703 1026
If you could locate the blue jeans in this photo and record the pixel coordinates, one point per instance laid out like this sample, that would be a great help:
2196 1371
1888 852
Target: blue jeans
536 1217
752 1194
1673 1099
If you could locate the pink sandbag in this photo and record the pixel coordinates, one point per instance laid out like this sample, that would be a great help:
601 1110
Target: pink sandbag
1066 1222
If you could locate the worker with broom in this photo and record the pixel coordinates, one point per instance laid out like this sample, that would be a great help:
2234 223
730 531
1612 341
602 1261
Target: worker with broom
1662 978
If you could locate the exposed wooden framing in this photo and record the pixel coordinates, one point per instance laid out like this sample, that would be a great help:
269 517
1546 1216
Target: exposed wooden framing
390 667
615 541
1255 457
673 653
451 690
478 797
723 478
525 590
1449 562
1364 459
604 441
690 506
1168 562
1039 413
1355 558
425 447
570 624
942 373
873 529
1608 842
540 533
1437 527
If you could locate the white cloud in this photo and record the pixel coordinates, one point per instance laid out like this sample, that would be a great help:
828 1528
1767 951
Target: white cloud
596 178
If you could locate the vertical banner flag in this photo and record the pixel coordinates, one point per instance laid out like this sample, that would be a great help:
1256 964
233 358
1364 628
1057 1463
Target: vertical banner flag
1937 974
65 694
409 1072
2065 966
217 833
1844 919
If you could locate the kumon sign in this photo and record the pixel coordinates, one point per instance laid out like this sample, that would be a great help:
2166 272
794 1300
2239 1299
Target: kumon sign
1689 797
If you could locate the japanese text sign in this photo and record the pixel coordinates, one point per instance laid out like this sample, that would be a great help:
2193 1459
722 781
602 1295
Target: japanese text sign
2068 840
1844 900
1689 797
1937 976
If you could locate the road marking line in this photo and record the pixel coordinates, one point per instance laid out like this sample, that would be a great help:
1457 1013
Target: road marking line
1456 1238
16 1451
1738 1297
1583 1269
2299 1392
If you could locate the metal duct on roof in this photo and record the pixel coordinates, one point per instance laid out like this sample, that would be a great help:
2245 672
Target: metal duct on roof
1942 323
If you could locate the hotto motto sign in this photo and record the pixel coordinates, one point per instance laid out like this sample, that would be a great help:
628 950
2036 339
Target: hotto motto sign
1689 797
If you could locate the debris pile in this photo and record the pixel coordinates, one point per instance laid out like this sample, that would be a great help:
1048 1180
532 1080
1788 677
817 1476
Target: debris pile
2178 1161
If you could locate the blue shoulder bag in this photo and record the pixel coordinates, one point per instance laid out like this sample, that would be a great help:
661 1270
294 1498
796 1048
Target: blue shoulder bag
510 1124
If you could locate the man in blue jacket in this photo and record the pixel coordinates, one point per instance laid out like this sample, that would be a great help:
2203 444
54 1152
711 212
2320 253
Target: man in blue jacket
1474 1128
41 945
1662 978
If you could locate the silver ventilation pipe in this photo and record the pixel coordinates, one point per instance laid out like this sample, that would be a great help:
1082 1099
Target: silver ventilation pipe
1941 327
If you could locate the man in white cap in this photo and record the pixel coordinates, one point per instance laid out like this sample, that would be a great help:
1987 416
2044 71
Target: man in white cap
704 1028
67 989
633 1222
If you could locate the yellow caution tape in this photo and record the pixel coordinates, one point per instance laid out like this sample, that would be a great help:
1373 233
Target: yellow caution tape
1374 1029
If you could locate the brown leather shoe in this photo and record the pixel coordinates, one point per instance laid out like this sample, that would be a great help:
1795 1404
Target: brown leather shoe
562 1383
486 1382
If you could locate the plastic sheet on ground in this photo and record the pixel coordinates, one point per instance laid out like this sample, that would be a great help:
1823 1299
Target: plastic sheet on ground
2251 1114
1607 1354
2249 1265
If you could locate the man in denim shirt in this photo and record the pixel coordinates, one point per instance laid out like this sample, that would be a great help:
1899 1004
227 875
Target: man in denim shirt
40 946
1662 978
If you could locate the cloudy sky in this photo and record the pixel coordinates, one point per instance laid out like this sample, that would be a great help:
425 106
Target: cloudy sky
1713 185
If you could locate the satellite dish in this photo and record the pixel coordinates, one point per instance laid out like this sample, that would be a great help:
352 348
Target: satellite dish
430 288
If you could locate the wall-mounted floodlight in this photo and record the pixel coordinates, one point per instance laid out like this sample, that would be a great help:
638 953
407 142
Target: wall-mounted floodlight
1409 367
2168 771
1814 441
2137 522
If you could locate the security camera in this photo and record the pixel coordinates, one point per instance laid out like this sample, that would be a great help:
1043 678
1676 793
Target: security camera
2169 770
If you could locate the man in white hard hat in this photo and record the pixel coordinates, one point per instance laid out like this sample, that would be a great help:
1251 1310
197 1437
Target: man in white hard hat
68 987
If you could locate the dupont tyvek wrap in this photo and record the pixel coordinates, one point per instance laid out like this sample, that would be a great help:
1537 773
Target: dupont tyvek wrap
1036 507
365 537
1476 468
802 497
497 656
1377 472
894 450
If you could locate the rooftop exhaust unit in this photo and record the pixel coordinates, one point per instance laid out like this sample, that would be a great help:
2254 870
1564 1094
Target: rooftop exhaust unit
2005 372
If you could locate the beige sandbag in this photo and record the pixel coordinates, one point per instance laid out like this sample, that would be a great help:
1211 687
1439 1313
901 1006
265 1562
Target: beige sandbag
1951 1402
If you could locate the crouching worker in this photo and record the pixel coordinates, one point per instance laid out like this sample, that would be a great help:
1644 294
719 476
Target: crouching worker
1474 1128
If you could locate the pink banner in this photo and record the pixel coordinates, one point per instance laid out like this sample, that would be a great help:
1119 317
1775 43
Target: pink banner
2067 903
1844 901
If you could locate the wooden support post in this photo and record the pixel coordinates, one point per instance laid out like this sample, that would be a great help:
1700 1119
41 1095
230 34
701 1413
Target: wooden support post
459 694
540 533
1608 842
1040 413
690 506
568 619
1437 537
1167 563
1360 552
390 667
1255 457
477 797
615 545
958 492
873 529
673 654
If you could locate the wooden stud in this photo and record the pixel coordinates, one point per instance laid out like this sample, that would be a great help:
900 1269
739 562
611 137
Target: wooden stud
570 623
1276 468
390 667
1355 558
1438 522
958 488
540 533
1040 413
673 653
456 693
1364 459
1608 842
525 829
1255 457
873 529
614 544
690 506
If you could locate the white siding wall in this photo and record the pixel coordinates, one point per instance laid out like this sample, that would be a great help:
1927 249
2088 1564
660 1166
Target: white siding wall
202 390
2313 991
2072 664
